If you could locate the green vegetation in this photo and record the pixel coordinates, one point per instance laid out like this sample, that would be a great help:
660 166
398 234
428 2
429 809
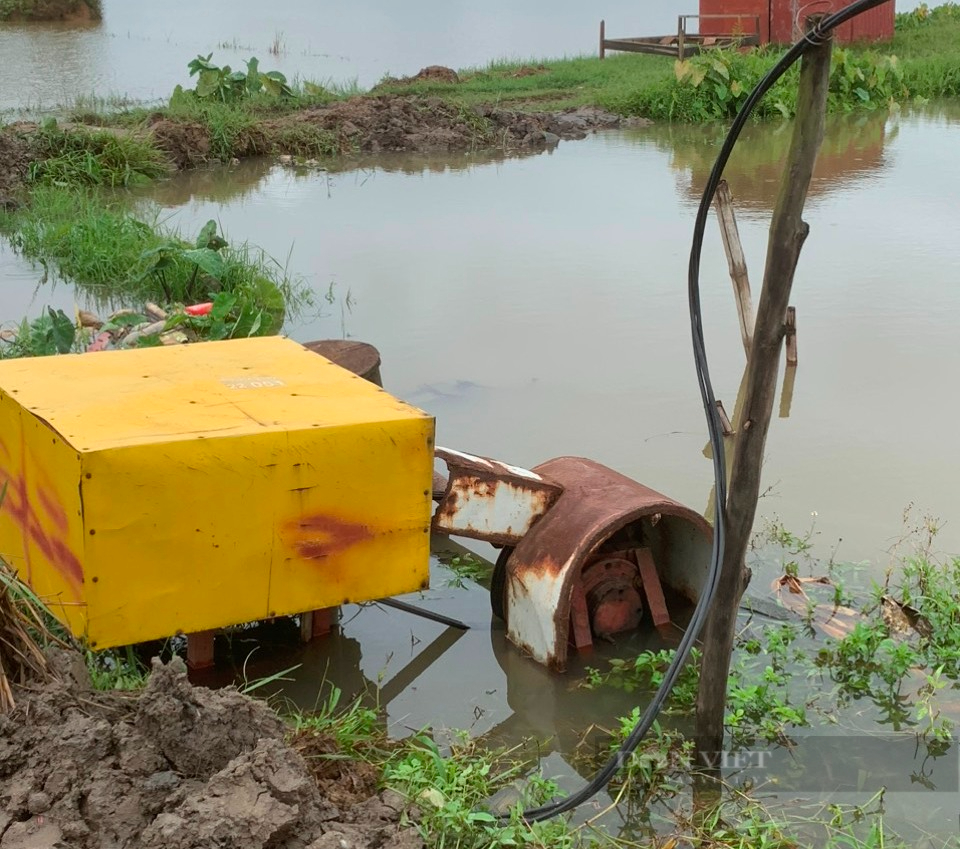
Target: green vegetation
120 258
52 333
49 10
550 84
116 670
714 86
81 157
922 62
450 790
466 567
221 83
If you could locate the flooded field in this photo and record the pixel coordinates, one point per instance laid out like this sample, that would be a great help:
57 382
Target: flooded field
536 305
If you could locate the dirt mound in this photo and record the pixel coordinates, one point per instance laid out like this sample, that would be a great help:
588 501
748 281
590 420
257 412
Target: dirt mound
14 161
69 11
406 123
434 73
177 767
187 144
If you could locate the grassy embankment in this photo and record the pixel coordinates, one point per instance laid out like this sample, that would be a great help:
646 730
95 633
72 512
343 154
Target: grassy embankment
122 258
927 65
237 119
50 10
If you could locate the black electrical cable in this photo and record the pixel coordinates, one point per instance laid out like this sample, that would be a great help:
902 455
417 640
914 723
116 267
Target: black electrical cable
814 37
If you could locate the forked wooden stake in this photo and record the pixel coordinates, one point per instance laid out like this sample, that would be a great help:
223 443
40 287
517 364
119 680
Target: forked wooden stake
787 234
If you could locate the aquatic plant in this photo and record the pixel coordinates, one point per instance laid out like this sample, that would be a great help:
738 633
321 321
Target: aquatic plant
450 792
714 85
116 669
224 84
53 332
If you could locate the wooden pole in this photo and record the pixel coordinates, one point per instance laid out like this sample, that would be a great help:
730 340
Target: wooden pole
603 39
737 263
787 234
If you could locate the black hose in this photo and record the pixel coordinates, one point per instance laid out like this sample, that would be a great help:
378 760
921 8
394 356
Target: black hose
816 36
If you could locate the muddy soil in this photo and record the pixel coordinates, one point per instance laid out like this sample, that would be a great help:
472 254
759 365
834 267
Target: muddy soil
390 123
366 124
178 767
408 123
14 161
69 11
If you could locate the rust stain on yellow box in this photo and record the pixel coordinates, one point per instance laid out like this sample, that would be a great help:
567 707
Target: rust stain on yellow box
192 487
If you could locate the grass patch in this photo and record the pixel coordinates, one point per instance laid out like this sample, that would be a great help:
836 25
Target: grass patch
922 62
449 787
93 158
544 84
123 259
116 670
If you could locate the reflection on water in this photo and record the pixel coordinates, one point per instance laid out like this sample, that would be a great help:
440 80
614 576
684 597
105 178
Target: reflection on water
222 183
852 151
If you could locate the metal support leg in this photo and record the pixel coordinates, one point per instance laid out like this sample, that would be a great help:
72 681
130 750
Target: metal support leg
317 623
200 650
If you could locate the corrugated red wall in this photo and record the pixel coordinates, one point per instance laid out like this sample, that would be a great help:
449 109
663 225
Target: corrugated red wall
781 21
727 26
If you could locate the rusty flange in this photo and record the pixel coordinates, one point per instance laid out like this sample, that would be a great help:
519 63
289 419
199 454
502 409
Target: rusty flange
551 591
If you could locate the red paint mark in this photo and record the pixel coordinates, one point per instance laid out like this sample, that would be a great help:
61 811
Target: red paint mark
53 509
24 514
317 537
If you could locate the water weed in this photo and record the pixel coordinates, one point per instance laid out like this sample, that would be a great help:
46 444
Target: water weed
450 792
116 669
224 84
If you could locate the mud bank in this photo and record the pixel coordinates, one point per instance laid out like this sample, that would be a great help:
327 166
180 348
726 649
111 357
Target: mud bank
359 125
388 123
177 767
68 11
14 163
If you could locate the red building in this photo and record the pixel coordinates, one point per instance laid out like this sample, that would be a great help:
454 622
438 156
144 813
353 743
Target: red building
781 21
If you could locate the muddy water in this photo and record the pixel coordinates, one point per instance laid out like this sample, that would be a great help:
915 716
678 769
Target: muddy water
140 50
536 305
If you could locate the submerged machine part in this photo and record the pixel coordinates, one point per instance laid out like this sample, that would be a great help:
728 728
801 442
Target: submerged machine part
489 500
587 553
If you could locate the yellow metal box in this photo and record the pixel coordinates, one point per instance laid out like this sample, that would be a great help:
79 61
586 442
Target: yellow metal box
198 486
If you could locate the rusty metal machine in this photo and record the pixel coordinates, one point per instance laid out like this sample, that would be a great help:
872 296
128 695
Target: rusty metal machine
585 552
